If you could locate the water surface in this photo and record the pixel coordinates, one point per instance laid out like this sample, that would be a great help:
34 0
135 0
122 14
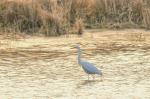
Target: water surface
126 75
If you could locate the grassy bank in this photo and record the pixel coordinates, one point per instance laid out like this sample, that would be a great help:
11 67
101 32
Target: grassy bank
57 17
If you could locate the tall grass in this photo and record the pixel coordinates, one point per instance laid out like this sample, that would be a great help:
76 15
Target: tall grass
57 17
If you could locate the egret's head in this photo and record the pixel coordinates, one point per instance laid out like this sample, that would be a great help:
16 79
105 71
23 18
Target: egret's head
77 46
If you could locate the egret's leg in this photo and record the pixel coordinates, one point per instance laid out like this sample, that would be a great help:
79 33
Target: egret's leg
88 76
93 77
101 77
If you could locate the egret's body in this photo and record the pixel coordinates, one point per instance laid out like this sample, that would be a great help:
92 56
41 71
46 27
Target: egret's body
89 68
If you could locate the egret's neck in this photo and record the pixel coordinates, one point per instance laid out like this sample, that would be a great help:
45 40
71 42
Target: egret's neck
79 53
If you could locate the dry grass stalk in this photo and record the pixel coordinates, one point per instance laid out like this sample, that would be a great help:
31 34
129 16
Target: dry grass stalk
57 17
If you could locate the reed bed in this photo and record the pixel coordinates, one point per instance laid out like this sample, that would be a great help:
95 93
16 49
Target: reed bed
58 17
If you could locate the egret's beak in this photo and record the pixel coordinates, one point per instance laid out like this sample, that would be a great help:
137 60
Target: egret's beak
73 47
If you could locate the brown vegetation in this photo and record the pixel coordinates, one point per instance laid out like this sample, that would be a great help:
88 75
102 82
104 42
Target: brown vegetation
57 17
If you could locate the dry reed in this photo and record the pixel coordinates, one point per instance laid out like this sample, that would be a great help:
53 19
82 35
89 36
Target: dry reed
57 17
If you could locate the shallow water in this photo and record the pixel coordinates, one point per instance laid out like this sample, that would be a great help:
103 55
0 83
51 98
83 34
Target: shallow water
126 75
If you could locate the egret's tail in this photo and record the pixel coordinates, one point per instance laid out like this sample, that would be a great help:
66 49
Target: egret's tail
99 73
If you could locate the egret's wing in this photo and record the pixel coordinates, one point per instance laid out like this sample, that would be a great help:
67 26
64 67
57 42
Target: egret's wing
89 67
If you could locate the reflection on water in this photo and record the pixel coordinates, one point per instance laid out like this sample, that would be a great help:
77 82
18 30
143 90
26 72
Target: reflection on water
126 75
